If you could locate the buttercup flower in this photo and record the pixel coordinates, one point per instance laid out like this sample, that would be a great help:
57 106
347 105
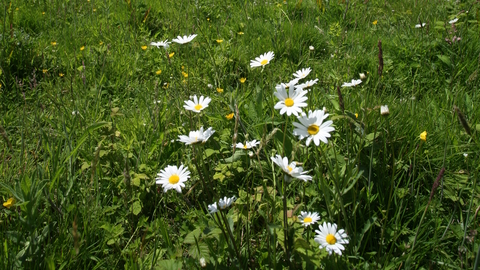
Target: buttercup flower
197 136
213 208
171 55
54 43
247 145
219 40
375 22
144 47
302 73
164 44
173 177
290 103
82 48
197 105
353 83
158 72
225 202
423 136
313 128
184 39
229 116
242 80
291 169
9 203
220 90
262 60
308 218
330 239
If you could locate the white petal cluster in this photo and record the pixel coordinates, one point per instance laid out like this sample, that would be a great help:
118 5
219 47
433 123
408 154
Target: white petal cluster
302 73
312 127
353 83
291 169
262 60
184 39
247 145
173 177
196 105
164 44
329 238
197 136
291 102
308 218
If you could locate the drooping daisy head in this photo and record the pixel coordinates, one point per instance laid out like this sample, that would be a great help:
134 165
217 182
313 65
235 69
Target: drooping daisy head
225 202
308 218
173 177
329 238
213 208
302 73
247 145
197 136
262 60
164 44
292 102
184 39
290 169
353 83
307 84
197 104
312 127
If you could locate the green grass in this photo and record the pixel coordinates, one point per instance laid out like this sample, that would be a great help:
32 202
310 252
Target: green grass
84 183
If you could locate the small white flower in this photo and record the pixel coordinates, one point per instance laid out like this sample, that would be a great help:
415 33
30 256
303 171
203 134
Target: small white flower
362 76
420 25
213 208
465 155
307 84
250 154
311 48
262 60
384 110
313 128
330 239
198 136
184 39
453 21
308 218
203 262
197 105
225 202
290 103
75 112
173 177
209 86
291 169
302 73
353 83
247 145
164 44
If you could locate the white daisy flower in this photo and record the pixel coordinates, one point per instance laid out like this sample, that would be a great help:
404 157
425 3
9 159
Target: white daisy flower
302 73
225 202
197 104
173 177
420 25
164 44
453 21
309 218
290 103
384 110
307 84
184 39
330 239
198 136
213 208
313 128
291 169
247 145
262 60
291 84
353 83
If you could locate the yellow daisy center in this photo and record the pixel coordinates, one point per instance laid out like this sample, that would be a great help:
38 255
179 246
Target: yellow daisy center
331 239
289 169
198 107
289 102
264 62
245 146
313 129
307 219
173 179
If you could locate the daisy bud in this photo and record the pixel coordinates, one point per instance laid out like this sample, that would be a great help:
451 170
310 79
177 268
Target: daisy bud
311 48
209 86
203 262
384 110
362 76
250 154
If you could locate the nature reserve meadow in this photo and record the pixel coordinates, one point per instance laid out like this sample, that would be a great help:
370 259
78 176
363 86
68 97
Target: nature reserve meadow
239 134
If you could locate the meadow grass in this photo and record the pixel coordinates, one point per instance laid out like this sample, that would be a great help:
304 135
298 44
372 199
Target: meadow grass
91 113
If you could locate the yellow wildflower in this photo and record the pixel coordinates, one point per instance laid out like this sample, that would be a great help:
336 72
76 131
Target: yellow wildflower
240 33
185 74
44 71
43 13
54 43
9 203
423 136
219 90
356 115
229 116
219 40
144 47
82 48
171 55
61 74
375 22
101 43
242 80
158 72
